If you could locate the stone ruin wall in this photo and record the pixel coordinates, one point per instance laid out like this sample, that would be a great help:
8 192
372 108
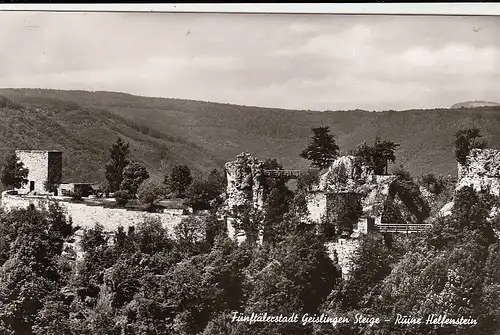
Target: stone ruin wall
87 216
37 162
316 206
343 252
372 189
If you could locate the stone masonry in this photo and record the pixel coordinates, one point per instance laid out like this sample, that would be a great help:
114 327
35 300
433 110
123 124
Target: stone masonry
43 165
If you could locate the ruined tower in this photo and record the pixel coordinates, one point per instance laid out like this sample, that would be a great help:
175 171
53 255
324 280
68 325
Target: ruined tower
45 167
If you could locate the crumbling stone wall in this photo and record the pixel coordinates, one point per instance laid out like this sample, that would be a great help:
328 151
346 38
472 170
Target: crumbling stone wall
316 206
87 215
372 191
342 252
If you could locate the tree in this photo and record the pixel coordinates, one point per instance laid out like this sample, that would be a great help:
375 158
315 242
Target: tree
150 191
31 274
294 276
190 235
203 194
180 179
276 205
322 150
378 156
119 159
133 175
53 318
217 180
307 179
272 182
14 174
466 140
199 194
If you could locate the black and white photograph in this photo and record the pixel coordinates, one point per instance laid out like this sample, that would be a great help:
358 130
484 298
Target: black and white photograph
225 173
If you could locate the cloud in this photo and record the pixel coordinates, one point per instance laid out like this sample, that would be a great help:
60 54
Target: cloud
291 61
302 27
453 58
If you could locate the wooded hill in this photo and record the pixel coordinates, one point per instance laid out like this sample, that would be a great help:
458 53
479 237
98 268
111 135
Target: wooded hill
204 135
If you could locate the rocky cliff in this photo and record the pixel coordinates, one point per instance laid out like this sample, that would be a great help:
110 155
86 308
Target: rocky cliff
345 175
245 182
481 171
244 196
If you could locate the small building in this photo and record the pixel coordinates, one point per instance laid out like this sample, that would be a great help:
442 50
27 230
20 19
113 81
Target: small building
44 169
68 189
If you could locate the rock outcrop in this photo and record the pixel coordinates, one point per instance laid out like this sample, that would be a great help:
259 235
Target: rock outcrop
245 182
481 171
244 194
345 174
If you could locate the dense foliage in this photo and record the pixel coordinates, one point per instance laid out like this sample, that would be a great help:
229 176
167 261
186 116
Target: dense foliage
204 194
195 281
14 173
150 191
133 175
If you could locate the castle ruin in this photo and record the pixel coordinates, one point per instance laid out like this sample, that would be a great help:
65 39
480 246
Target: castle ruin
244 193
44 168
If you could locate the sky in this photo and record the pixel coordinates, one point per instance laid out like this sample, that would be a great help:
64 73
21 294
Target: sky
296 61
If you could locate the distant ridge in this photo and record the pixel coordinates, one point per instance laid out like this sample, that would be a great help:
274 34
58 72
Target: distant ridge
474 104
204 135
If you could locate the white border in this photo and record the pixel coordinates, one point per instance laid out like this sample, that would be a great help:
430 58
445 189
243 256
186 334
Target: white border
480 8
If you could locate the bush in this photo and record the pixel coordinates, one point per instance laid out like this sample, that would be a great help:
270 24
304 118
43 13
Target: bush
76 196
433 184
307 179
150 191
122 197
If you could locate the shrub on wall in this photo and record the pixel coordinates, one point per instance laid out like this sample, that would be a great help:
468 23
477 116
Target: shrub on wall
432 183
307 179
340 174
